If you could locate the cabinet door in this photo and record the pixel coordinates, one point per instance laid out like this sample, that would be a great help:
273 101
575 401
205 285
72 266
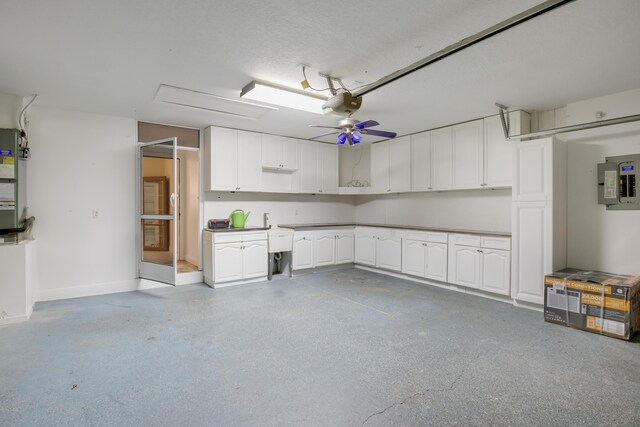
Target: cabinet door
344 248
254 259
413 257
380 167
496 269
421 162
224 164
436 267
467 155
271 151
308 167
325 249
532 249
289 154
441 159
227 258
249 161
389 253
498 152
400 165
328 168
365 252
466 266
302 252
533 169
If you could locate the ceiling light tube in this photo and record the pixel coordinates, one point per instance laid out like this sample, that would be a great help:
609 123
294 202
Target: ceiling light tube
283 96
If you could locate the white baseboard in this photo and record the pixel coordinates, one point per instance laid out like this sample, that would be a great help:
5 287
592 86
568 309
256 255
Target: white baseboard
97 289
452 287
8 320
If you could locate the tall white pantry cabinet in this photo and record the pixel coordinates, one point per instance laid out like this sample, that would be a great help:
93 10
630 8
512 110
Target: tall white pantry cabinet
539 215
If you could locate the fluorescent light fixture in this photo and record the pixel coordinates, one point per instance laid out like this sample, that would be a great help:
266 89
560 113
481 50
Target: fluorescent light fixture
210 103
283 96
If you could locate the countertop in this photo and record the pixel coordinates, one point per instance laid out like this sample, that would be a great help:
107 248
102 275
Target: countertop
312 226
229 230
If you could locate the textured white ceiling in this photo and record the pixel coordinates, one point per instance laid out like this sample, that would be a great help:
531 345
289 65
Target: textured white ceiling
110 56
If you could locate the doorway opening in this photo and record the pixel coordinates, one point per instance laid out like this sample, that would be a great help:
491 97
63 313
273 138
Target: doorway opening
169 205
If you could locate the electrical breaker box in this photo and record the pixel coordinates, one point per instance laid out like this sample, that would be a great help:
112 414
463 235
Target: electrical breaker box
617 179
12 180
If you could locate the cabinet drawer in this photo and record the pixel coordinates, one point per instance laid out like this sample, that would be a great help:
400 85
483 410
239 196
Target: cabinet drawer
254 236
420 236
436 237
466 240
239 236
503 243
226 237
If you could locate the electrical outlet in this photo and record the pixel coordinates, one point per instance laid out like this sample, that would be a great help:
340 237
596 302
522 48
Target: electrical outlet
95 214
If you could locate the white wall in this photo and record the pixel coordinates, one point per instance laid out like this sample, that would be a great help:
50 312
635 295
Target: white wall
80 163
10 106
481 210
355 164
283 208
599 239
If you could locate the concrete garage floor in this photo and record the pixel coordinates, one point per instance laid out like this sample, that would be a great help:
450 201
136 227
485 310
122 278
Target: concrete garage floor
335 348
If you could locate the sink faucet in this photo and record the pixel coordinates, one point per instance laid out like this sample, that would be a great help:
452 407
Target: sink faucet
265 220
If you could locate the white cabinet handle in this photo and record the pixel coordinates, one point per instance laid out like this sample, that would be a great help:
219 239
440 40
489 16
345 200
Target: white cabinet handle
172 200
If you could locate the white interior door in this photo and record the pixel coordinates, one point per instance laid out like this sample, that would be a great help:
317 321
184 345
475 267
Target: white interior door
157 210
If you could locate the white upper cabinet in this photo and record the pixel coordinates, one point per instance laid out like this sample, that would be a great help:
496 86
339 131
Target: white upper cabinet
467 155
308 167
533 175
380 167
391 166
279 153
249 170
498 152
442 159
327 176
231 160
400 165
421 162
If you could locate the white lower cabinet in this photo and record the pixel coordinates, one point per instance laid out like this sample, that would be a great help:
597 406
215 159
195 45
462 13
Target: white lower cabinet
466 266
234 256
379 247
322 248
389 253
228 261
365 248
424 258
480 262
495 271
345 248
302 251
325 249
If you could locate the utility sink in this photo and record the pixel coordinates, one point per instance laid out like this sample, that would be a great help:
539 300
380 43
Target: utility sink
280 240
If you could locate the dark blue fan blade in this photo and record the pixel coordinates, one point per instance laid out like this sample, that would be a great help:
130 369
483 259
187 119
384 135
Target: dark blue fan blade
367 124
381 133
342 138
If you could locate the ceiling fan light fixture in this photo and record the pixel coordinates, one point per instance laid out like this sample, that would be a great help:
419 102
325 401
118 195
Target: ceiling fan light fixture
283 96
356 137
342 138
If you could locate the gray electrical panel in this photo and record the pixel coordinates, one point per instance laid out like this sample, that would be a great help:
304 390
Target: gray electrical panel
12 180
617 182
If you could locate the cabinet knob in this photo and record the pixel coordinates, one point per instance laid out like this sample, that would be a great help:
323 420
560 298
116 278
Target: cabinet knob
480 251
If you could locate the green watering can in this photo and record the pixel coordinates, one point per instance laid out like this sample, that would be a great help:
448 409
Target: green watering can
237 218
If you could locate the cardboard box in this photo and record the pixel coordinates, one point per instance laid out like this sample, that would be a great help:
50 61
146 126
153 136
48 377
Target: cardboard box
604 303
